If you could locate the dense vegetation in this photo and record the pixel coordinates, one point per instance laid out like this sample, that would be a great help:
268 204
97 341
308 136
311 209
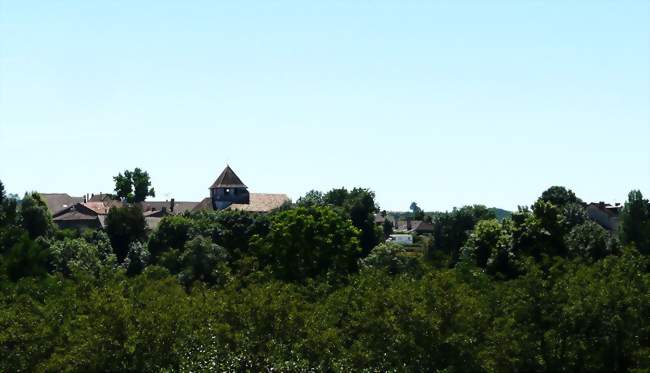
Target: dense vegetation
312 287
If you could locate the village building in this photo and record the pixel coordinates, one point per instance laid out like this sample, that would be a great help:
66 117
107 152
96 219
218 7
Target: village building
604 214
227 192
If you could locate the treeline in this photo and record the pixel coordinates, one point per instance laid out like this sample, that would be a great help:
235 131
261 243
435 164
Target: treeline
312 287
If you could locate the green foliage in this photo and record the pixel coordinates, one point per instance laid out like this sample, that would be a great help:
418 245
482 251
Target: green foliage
25 258
387 228
588 240
74 255
359 205
35 216
125 225
560 196
392 257
133 186
309 241
635 222
204 261
172 233
452 229
238 291
136 259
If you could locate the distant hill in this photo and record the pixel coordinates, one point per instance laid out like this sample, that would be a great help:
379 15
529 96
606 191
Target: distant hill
500 213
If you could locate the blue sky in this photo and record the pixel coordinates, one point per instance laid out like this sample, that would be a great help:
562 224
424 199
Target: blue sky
443 103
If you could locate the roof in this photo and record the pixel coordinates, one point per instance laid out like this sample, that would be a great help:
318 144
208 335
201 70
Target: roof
608 209
58 201
421 226
179 206
258 202
99 207
262 202
228 179
75 215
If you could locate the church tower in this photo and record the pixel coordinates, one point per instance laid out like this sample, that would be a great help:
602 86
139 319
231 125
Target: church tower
228 189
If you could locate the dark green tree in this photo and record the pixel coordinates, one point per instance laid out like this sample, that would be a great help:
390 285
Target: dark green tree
35 217
133 186
26 258
125 225
387 228
634 226
452 229
306 242
204 261
359 204
418 213
560 196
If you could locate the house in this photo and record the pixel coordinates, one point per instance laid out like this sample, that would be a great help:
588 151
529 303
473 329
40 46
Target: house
604 214
82 215
414 226
58 201
227 192
403 239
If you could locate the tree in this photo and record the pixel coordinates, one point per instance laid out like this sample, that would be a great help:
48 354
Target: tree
2 193
136 259
588 240
387 228
483 241
391 257
133 186
560 196
203 261
452 229
418 213
635 222
171 234
35 216
125 225
74 255
26 258
306 242
359 205
313 197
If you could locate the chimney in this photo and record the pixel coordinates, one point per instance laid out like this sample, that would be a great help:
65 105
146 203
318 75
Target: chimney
171 205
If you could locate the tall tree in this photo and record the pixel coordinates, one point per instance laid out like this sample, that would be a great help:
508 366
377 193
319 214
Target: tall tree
35 216
560 196
418 213
124 226
306 242
134 186
635 222
359 204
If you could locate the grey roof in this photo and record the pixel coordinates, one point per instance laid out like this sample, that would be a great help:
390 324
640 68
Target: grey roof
228 179
179 206
58 201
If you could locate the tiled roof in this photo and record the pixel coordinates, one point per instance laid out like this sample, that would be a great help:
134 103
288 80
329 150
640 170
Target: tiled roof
262 202
58 201
75 215
259 202
228 179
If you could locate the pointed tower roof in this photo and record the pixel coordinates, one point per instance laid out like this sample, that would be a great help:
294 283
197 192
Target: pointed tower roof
228 179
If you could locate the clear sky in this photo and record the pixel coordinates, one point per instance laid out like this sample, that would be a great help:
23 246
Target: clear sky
444 103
